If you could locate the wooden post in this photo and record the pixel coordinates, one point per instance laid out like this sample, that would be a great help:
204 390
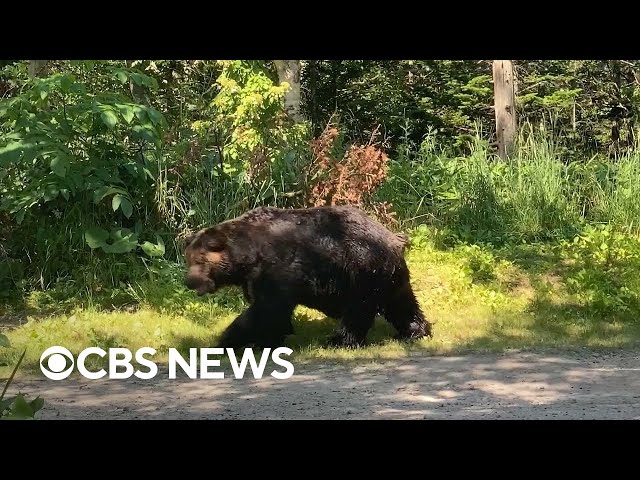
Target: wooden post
505 106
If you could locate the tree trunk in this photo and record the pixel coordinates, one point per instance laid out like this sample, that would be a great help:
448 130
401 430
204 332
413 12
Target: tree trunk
289 71
137 91
505 106
313 86
37 68
335 67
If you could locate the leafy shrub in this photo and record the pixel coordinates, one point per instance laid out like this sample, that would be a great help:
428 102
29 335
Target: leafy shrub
480 264
245 154
78 166
604 271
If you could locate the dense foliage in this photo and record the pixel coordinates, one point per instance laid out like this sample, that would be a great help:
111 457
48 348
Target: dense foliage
593 104
105 165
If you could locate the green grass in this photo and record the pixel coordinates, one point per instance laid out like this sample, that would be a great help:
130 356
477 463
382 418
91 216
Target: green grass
616 198
536 195
480 298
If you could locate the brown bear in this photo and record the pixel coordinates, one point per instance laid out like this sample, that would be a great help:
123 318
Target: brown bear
336 260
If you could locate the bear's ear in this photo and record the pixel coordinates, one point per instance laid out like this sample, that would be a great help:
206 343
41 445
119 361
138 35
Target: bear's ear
214 240
189 240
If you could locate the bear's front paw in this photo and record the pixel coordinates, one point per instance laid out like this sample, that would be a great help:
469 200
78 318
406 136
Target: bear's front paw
415 331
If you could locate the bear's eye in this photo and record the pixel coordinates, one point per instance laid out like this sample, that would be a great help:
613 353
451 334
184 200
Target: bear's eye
215 245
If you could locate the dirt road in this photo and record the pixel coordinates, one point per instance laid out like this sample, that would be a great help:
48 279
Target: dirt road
584 385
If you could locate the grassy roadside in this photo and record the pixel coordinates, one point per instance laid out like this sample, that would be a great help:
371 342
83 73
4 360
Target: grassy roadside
480 298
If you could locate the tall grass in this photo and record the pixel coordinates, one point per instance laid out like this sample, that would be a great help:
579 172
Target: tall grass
539 195
476 204
533 195
617 196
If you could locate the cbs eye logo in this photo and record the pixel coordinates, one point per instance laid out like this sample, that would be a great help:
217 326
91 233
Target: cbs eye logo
59 364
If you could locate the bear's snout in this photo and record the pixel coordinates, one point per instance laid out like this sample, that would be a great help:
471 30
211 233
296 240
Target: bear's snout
199 284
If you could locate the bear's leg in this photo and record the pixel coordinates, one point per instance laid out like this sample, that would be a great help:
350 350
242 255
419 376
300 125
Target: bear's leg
246 293
240 332
263 324
403 312
354 327
274 325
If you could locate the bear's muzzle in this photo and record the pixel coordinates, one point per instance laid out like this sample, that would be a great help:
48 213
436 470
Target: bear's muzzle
199 284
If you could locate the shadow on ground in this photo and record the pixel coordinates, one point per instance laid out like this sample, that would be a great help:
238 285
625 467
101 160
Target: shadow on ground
510 386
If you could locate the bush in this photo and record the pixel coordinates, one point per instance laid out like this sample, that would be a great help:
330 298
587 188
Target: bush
77 172
604 271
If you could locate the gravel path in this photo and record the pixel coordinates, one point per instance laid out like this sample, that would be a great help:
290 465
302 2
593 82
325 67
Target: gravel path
584 385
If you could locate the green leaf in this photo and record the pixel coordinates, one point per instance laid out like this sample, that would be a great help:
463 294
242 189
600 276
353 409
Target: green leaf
36 404
11 152
20 215
120 75
154 250
146 131
59 165
128 115
51 192
136 78
124 204
78 88
155 116
120 246
150 82
109 118
127 112
141 114
65 83
150 249
120 233
20 408
96 237
124 241
142 79
115 201
126 207
5 404
105 191
4 341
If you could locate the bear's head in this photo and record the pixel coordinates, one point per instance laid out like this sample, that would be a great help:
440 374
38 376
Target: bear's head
207 259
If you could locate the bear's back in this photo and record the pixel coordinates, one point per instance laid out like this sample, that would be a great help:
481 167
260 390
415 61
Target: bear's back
339 231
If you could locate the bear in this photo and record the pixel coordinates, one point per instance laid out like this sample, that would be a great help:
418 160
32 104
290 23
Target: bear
334 259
